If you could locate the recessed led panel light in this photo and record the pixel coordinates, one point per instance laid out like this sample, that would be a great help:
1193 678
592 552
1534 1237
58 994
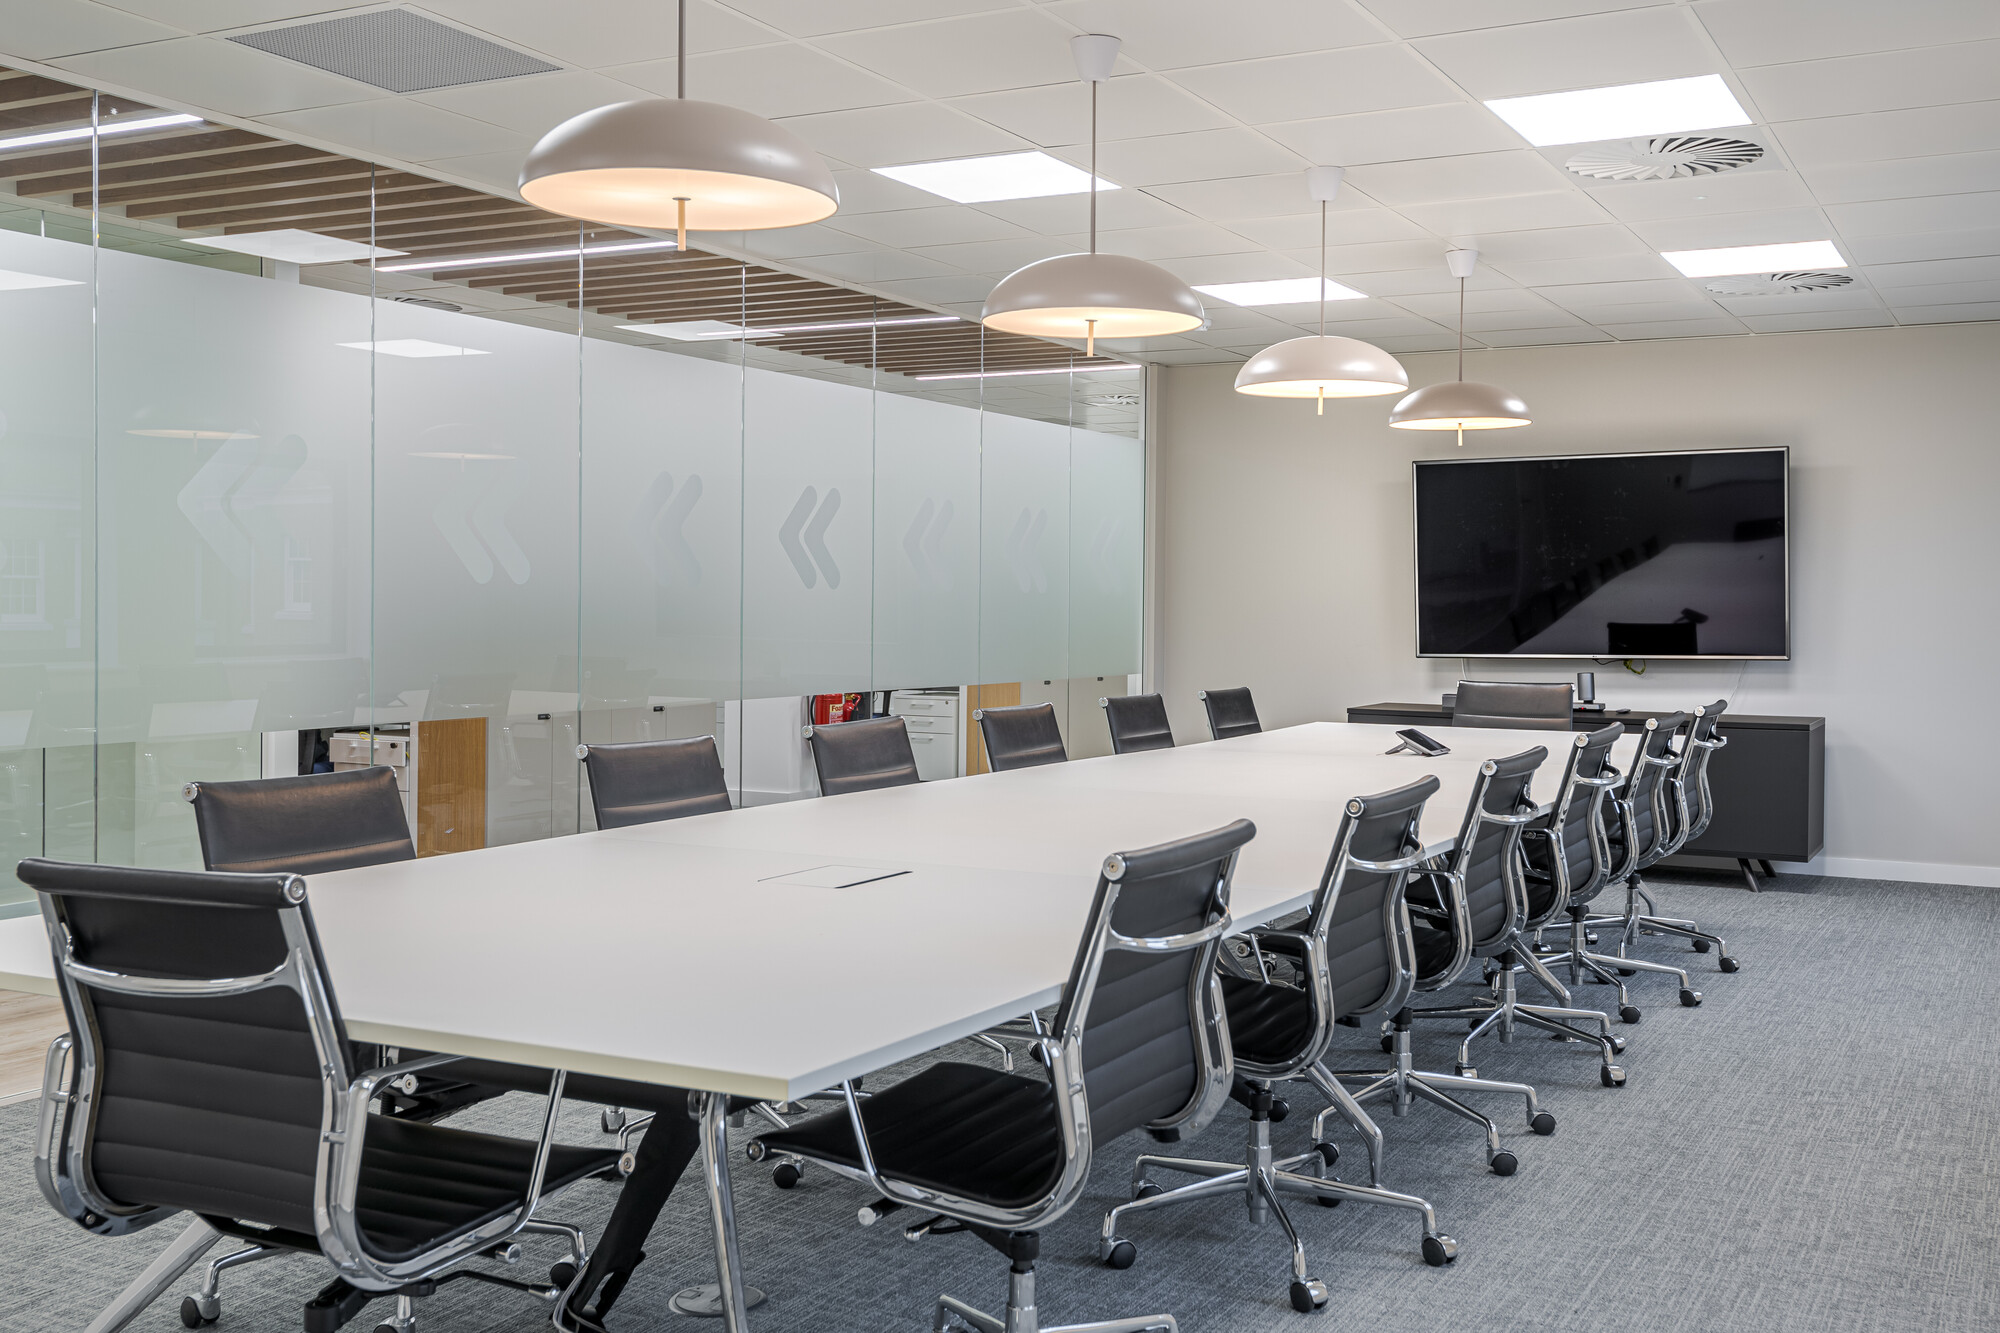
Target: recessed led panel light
699 330
1755 259
1280 291
1002 374
10 281
295 247
981 180
522 257
414 347
84 131
1669 106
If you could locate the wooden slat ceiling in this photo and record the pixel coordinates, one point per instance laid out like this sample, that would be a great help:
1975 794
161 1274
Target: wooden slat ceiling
202 178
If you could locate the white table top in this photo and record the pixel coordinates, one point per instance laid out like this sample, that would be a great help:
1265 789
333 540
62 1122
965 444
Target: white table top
662 953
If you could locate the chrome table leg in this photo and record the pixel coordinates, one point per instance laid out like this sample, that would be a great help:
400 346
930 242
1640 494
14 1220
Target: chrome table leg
732 1300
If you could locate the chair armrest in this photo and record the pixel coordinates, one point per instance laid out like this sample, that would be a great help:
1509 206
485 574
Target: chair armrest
1290 943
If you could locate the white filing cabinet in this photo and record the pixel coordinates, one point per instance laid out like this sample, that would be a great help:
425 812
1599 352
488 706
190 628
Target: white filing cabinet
395 750
934 719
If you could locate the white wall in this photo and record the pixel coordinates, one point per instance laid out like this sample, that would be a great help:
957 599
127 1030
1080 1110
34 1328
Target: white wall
1284 557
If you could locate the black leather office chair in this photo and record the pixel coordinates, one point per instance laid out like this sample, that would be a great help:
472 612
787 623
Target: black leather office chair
307 825
862 756
1543 895
1453 914
1689 805
1024 736
1137 722
1230 713
643 782
1138 1041
1280 1032
1530 707
210 1073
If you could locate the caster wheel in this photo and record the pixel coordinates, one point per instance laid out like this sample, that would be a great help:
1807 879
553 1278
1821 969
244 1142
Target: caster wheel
1308 1295
1618 1046
1503 1163
1439 1250
562 1274
1728 964
1628 1013
1472 1024
1701 946
1628 971
1543 1124
628 1162
611 1119
785 1175
1121 1255
1388 1044
1280 1108
191 1315
1690 999
1327 1200
1147 1190
1328 1153
1611 1076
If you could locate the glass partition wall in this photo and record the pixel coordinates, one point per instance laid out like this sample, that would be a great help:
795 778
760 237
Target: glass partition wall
259 519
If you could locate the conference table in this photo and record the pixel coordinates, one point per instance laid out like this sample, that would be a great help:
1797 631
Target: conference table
623 952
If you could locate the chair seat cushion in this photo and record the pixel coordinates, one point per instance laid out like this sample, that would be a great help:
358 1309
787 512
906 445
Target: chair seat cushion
1268 1024
424 1184
962 1129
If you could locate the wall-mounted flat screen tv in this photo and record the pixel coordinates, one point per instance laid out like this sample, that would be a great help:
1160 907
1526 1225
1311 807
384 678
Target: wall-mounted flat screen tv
1657 555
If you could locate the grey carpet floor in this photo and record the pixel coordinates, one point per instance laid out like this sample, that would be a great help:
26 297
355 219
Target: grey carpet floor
1815 1148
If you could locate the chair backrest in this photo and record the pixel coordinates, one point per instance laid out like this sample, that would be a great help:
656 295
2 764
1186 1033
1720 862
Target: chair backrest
1137 722
1230 713
1690 802
1023 736
206 1043
862 756
1534 707
1492 895
307 825
1567 848
643 782
1359 912
1642 800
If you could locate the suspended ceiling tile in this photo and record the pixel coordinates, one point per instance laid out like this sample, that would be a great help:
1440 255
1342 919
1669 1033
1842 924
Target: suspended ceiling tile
1701 196
1927 272
1249 266
1203 155
1947 314
1433 277
946 225
1319 83
1647 312
814 18
1272 195
1944 293
883 136
1128 107
1381 257
1544 337
870 192
50 29
498 172
1396 136
1610 268
786 243
1902 217
1973 243
1443 306
1488 323
998 258
1425 18
1521 212
1707 233
1173 34
1062 213
397 127
222 76
1592 51
937 291
210 15
974 53
1472 176
534 104
1805 322
1584 294
1418 342
1193 356
1756 32
1856 296
595 35
783 80
1682 328
1353 227
877 266
1951 173
1927 76
1174 242
1891 135
1592 242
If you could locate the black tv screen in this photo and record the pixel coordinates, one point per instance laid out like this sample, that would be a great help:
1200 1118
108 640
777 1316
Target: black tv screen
1604 556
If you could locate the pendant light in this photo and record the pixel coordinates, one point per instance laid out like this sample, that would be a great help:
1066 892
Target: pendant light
679 164
1092 296
1460 404
1322 367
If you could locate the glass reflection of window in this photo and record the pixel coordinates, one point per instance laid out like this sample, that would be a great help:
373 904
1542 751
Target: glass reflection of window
298 583
22 586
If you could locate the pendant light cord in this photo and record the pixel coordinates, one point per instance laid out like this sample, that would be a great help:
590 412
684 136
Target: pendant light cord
681 53
1322 268
1093 164
1461 329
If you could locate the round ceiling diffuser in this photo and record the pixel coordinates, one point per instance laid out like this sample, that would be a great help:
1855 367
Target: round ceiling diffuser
1776 284
1665 157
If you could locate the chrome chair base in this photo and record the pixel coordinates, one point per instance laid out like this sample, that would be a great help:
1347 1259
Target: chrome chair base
1262 1180
1506 1011
954 1315
1405 1084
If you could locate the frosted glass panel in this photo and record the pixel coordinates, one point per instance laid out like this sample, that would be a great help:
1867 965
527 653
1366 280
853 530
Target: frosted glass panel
1024 550
1107 552
807 535
926 543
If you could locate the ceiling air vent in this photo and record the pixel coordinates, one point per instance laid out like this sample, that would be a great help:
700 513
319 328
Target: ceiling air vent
1776 284
428 303
1664 158
395 49
1117 399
